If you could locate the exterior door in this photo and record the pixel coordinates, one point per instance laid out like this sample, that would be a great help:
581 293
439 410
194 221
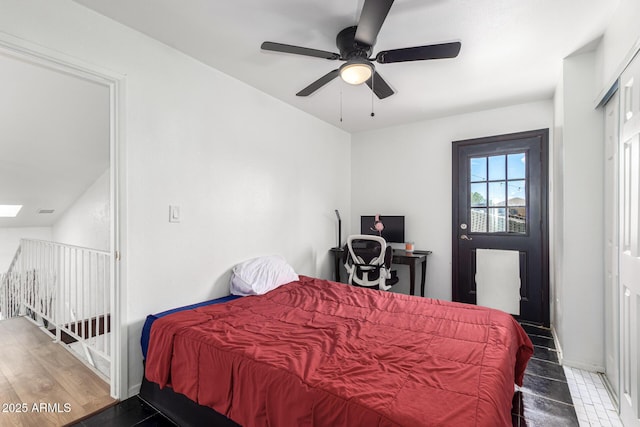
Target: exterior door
500 202
630 244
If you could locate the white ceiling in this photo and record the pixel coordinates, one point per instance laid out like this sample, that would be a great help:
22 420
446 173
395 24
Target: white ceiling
54 139
511 50
54 127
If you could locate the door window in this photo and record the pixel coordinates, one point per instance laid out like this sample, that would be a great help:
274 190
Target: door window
498 192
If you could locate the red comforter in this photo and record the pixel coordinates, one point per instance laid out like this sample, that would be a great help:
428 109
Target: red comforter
320 353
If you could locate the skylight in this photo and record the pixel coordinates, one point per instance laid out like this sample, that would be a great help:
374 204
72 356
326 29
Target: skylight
9 211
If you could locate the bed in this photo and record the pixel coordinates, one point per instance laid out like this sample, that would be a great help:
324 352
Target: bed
319 353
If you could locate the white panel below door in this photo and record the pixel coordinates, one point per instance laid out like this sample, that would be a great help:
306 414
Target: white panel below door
498 279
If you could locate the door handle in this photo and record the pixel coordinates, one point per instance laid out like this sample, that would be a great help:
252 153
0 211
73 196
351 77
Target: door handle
465 237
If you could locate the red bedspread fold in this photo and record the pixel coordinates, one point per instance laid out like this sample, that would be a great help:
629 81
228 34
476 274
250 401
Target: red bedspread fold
320 353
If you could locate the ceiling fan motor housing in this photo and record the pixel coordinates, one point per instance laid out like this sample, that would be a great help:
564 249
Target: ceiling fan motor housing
349 47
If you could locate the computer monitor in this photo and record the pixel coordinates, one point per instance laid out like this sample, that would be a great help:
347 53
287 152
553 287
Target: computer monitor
393 227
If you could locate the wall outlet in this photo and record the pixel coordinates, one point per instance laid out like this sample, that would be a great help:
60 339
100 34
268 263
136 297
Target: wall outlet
174 213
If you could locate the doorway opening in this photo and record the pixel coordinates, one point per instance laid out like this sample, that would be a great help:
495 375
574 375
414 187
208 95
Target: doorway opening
89 216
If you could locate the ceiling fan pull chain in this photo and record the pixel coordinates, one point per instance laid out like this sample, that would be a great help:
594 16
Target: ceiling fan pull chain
340 105
373 82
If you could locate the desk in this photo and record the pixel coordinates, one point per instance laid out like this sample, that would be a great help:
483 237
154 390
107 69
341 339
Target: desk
399 257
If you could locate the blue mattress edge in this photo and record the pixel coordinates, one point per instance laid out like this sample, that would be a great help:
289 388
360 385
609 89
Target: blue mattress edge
146 329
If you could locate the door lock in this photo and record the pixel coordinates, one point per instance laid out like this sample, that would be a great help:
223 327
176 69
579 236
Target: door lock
465 237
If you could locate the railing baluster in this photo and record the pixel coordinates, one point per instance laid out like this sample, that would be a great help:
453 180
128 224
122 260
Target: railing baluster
83 303
49 288
59 290
69 304
37 282
51 285
94 304
79 313
44 280
74 290
107 304
106 279
99 294
92 284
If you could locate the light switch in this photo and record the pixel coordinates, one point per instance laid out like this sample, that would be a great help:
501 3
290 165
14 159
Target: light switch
174 213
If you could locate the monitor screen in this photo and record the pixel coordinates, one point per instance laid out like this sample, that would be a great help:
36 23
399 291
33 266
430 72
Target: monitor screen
393 227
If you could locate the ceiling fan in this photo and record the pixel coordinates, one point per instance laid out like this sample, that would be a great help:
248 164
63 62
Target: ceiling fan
356 45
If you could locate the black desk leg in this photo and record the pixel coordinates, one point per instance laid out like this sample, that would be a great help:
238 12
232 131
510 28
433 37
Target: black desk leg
424 276
412 277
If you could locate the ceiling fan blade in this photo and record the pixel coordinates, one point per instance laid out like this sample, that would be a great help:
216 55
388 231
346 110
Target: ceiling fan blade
319 83
297 50
377 84
373 14
419 53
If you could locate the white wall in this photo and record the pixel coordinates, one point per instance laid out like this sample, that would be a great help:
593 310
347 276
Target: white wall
621 37
10 240
251 175
87 221
406 170
580 277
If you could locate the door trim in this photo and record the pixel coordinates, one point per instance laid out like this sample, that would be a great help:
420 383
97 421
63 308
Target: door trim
55 60
543 134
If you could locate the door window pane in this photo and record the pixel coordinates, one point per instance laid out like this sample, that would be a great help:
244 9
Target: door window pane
516 166
497 193
478 168
478 220
497 168
479 194
517 193
497 220
517 220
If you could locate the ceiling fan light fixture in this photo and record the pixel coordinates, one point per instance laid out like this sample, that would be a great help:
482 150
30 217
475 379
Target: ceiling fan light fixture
356 71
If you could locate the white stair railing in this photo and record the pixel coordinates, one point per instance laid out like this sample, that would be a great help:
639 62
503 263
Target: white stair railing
67 287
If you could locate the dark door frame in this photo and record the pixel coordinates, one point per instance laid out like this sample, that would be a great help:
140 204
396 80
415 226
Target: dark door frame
543 134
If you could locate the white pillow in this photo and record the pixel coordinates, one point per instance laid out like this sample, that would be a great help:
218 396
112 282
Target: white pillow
260 275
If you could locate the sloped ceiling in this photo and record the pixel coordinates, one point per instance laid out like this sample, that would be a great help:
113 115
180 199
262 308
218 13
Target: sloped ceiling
54 139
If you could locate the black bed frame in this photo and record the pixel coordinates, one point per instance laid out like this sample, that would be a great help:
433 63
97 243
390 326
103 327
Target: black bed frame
180 409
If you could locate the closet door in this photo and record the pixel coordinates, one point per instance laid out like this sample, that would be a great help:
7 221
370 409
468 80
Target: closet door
630 244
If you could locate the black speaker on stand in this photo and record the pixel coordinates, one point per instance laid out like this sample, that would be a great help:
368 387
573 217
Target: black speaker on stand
339 230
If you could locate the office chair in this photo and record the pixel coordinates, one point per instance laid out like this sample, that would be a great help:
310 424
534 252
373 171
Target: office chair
368 262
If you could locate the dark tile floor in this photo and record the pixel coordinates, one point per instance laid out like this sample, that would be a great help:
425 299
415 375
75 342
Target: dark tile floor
543 400
128 413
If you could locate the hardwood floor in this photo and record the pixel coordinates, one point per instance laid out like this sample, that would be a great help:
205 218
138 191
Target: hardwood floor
41 383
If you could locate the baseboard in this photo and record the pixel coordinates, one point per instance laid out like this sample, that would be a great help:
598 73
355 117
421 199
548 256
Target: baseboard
584 366
572 363
556 341
134 390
